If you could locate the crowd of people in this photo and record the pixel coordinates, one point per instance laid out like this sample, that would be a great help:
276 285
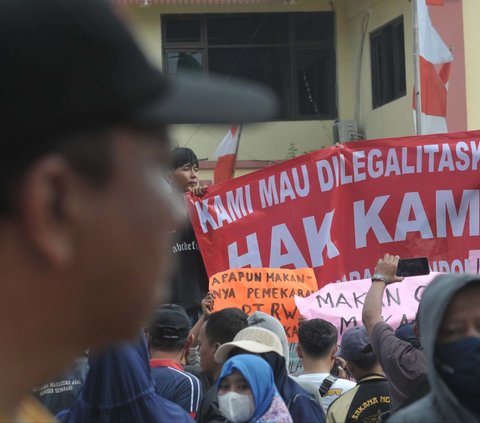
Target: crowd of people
91 220
236 369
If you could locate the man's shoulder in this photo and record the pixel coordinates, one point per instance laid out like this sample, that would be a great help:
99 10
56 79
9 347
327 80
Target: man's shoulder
318 378
386 344
314 377
343 401
421 410
343 383
164 375
382 329
384 340
181 374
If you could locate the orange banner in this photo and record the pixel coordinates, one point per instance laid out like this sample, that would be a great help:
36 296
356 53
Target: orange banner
263 289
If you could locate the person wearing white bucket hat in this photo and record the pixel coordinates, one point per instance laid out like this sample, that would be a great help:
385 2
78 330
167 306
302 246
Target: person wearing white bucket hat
255 340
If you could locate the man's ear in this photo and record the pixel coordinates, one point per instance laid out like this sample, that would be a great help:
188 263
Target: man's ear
170 177
216 346
299 351
186 349
416 330
44 209
333 352
189 342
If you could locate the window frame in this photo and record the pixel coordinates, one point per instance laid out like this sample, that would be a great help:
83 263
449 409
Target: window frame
379 97
292 106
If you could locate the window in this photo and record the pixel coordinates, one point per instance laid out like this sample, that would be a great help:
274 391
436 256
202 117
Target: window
388 63
293 53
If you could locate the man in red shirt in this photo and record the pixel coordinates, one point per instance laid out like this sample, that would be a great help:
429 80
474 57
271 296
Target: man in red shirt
169 342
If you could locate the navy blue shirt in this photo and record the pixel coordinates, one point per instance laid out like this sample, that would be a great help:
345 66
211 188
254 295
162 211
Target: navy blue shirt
58 394
175 384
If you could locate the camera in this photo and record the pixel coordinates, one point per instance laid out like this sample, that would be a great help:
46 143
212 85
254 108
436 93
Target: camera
334 370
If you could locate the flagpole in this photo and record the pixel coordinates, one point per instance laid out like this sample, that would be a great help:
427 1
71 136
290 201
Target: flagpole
236 149
416 61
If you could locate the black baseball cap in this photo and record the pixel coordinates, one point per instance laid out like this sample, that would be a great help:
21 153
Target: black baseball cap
355 345
169 322
72 64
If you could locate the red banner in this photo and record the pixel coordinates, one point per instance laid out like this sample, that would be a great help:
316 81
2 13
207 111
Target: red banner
339 209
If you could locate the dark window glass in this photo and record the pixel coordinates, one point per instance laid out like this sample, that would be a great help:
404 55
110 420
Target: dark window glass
314 27
182 30
268 65
253 29
316 82
293 53
179 62
388 63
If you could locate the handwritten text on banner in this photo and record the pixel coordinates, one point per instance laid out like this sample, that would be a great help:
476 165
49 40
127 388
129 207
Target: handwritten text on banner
342 303
272 291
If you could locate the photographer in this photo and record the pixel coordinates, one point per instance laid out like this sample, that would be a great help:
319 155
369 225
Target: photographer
317 345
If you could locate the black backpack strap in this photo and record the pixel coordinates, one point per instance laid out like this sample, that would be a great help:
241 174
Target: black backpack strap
326 384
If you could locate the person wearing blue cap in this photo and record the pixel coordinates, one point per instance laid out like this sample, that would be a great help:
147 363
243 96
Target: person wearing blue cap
407 333
370 397
247 392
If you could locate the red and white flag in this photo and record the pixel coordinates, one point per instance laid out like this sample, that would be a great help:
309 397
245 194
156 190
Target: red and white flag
435 60
226 155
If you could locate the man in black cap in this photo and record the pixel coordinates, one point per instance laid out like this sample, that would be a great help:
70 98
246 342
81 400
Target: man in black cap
370 397
169 341
85 211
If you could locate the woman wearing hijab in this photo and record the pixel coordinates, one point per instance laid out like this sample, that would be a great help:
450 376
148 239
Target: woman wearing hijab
256 340
247 392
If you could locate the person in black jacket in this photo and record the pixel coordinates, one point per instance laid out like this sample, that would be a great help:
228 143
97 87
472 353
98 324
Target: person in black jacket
370 397
189 284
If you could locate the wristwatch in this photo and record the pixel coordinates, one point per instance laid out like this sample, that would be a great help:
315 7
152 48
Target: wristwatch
378 277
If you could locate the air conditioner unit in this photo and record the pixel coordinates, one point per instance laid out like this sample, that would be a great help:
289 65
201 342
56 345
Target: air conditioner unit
346 130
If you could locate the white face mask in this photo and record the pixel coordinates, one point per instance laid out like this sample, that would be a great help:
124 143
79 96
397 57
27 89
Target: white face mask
237 408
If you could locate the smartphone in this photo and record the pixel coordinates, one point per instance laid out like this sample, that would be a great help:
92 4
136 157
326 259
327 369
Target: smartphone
413 267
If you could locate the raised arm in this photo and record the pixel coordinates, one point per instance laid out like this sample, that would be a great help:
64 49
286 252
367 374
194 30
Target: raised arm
383 275
207 307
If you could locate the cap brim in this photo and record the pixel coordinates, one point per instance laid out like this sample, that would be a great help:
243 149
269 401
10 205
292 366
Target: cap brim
251 346
199 100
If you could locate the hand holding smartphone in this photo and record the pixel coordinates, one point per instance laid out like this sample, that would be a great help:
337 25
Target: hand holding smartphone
413 267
